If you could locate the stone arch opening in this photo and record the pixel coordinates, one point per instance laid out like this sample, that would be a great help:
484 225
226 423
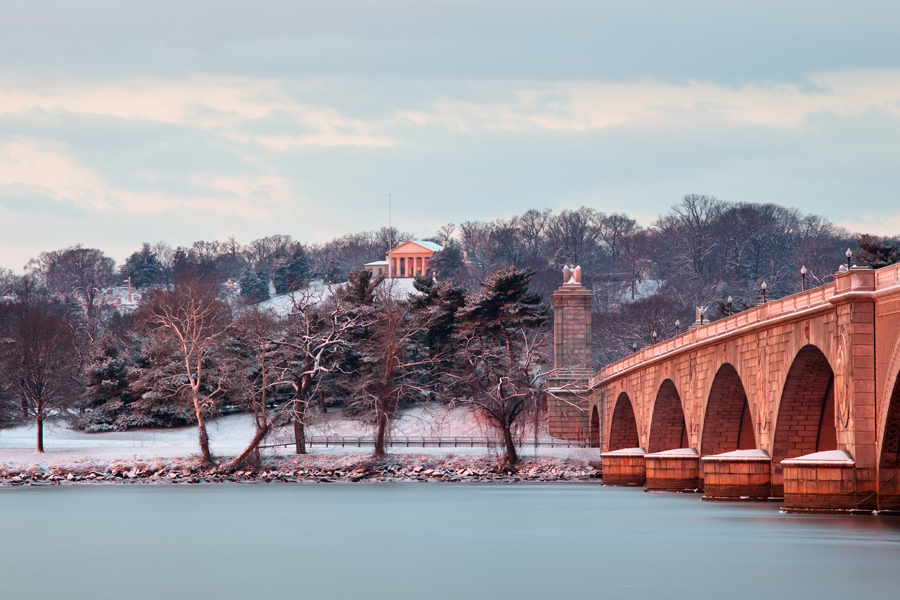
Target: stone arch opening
667 426
889 455
623 431
595 429
805 422
728 422
890 445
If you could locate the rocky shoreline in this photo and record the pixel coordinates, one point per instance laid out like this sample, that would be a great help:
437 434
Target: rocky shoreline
306 469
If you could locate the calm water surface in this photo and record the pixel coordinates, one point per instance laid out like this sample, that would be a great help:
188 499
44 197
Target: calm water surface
429 541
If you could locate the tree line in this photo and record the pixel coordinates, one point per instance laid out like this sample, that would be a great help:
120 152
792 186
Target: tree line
475 333
191 353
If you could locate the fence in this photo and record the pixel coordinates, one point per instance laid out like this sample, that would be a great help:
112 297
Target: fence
329 441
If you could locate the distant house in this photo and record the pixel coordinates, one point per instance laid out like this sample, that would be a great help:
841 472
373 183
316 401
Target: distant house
409 259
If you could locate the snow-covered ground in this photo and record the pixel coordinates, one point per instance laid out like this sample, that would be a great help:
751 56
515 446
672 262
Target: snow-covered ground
230 434
319 291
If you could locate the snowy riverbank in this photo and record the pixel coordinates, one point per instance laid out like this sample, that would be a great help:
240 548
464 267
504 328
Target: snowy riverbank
230 434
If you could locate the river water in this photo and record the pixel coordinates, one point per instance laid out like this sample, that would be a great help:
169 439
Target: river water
429 541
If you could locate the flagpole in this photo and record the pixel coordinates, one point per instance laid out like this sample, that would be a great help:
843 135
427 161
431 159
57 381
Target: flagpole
390 241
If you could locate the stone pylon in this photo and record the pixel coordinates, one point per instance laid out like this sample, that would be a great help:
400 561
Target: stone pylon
572 364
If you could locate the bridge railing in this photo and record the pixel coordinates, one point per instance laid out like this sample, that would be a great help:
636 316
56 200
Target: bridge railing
759 313
883 278
887 277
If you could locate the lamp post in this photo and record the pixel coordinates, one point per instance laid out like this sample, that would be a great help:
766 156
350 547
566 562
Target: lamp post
848 254
729 305
764 286
803 279
677 325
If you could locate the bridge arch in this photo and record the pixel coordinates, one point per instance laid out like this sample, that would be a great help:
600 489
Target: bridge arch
728 423
890 443
667 425
623 430
594 431
889 448
805 421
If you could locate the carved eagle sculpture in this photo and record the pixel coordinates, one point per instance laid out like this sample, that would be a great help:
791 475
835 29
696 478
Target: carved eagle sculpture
571 275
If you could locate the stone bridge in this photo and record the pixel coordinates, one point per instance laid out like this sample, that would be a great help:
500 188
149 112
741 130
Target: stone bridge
796 398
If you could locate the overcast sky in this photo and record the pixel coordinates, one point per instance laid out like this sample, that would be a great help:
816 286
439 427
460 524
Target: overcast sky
123 122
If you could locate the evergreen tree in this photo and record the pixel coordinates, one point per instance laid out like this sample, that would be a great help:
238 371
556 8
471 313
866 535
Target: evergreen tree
437 305
499 339
293 274
255 285
448 262
143 267
108 389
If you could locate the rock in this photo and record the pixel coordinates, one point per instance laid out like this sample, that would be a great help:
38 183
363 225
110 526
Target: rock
70 477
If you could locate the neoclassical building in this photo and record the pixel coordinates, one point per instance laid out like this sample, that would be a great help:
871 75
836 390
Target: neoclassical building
409 259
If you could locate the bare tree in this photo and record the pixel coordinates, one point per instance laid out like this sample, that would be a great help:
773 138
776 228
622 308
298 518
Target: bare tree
194 321
40 370
391 366
690 232
573 235
532 231
78 273
310 344
445 233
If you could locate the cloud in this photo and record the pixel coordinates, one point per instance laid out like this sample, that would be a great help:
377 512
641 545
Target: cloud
235 108
227 107
313 157
586 106
46 170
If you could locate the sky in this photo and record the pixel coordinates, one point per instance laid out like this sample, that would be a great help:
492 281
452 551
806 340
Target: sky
126 122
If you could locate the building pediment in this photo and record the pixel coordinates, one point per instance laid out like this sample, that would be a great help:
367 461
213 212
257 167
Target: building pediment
417 247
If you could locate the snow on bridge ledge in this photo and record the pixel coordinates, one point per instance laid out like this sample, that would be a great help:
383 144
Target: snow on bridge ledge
740 456
830 457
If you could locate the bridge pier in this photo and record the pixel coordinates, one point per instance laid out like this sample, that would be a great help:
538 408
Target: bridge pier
673 471
738 475
624 467
824 481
